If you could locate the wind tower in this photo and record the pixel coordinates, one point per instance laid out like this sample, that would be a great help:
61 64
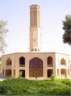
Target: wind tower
34 27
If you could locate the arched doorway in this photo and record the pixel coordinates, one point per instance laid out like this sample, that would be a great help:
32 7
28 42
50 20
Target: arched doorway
49 73
8 73
63 73
36 67
22 73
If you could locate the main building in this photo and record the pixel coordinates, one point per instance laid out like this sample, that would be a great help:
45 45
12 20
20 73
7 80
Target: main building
35 64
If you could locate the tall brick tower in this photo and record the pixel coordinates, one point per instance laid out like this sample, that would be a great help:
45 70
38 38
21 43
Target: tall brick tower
34 27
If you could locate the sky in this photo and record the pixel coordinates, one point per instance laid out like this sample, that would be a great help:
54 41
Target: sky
52 14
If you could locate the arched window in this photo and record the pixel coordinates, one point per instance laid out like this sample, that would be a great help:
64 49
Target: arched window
36 67
63 61
22 61
9 62
50 61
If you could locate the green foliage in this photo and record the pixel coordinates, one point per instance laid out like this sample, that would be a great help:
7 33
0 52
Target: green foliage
3 32
35 87
53 77
67 29
3 90
67 23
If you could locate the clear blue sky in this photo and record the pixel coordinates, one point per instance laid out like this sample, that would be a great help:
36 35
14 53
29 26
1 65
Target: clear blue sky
52 12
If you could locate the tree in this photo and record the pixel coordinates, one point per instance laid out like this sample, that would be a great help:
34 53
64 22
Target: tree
3 32
67 29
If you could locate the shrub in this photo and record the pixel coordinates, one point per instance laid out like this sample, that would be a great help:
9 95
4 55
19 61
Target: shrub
35 88
3 90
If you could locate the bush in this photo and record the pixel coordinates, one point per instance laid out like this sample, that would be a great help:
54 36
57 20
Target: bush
3 90
35 88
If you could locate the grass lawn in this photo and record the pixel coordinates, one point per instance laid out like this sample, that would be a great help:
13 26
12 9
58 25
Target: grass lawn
35 87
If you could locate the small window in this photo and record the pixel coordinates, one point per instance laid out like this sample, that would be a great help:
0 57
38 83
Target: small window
22 61
9 62
50 61
63 61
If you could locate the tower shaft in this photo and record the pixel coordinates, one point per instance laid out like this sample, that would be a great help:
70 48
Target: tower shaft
34 27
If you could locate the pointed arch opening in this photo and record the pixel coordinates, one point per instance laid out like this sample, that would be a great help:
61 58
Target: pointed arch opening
22 61
36 67
9 62
63 61
50 61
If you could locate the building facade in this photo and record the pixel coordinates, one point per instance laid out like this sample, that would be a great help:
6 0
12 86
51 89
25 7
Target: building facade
35 64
